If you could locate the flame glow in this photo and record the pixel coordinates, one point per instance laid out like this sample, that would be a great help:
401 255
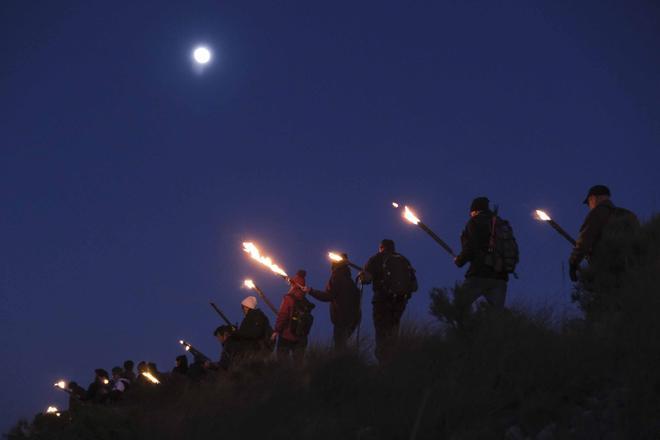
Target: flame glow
60 384
410 216
251 249
53 410
150 377
395 204
249 284
106 381
542 215
335 257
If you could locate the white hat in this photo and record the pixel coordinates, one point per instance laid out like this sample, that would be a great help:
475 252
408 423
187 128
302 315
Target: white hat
250 302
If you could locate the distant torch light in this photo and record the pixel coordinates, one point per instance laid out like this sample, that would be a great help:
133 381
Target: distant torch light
53 410
544 217
150 377
106 381
61 385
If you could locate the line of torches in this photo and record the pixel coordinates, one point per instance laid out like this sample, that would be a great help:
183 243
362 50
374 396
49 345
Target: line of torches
251 249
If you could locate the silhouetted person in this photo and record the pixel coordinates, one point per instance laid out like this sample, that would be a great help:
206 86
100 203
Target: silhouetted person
119 384
128 371
255 331
98 390
181 365
344 298
485 276
76 395
230 346
602 214
394 281
141 380
294 321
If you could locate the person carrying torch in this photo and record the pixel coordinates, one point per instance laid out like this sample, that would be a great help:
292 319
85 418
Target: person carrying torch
294 320
603 216
489 246
394 281
255 330
344 298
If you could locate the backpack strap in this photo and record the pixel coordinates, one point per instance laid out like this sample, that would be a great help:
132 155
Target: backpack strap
491 240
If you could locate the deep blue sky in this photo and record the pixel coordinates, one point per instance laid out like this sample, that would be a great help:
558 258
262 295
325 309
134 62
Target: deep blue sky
128 181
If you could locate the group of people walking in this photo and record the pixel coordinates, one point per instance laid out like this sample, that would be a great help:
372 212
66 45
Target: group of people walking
488 246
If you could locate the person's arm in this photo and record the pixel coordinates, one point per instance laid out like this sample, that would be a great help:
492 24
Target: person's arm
326 295
470 245
370 270
589 233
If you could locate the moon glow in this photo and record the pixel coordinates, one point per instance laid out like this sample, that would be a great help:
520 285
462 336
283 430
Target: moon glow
202 55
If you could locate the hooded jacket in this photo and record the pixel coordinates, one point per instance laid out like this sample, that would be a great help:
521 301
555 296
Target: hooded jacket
343 296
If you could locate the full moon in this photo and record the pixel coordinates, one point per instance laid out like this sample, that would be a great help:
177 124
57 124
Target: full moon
202 55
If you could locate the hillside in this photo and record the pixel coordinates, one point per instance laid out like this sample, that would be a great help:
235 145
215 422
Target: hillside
514 375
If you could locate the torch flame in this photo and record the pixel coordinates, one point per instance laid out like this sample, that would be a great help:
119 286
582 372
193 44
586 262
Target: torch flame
60 384
410 216
53 410
251 249
106 381
335 257
542 215
249 284
395 204
150 377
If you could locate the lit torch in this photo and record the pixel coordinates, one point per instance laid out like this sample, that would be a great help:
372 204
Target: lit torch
150 377
62 385
251 249
196 353
544 217
412 218
53 410
338 258
250 285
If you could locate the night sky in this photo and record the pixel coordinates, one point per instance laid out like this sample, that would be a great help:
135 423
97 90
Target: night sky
128 180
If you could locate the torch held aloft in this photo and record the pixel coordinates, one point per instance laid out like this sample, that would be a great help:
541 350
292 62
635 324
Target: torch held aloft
437 239
198 355
561 231
262 295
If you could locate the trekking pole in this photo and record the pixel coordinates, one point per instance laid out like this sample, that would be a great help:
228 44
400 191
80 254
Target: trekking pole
544 217
250 285
412 218
222 315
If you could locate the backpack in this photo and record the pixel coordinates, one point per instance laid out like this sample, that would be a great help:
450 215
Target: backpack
398 276
503 254
301 317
